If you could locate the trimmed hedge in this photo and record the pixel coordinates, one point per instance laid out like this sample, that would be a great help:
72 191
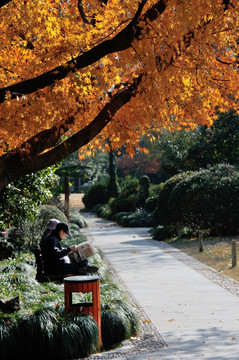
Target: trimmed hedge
205 200
162 214
96 194
208 200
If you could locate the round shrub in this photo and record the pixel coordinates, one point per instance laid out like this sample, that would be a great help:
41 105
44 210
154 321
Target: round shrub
103 211
119 217
208 200
128 187
118 322
122 204
97 194
79 220
163 232
77 337
162 214
139 218
48 212
114 328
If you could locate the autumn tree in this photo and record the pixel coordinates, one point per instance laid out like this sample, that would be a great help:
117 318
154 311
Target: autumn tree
75 73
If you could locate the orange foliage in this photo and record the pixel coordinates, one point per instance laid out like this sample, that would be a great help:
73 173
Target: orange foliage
186 51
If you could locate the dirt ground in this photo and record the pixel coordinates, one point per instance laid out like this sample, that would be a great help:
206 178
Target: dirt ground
217 253
75 201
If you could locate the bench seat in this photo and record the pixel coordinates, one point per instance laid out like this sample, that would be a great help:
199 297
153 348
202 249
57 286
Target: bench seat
41 276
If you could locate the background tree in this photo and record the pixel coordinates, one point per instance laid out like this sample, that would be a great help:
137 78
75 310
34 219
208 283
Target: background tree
113 184
70 74
22 199
141 164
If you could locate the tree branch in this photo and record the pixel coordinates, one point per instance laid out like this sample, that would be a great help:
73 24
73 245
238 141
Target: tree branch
46 138
120 42
13 165
4 2
82 13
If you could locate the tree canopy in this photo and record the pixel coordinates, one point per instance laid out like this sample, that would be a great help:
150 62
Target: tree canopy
76 73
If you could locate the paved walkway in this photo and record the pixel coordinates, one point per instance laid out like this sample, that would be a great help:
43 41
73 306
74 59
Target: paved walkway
196 318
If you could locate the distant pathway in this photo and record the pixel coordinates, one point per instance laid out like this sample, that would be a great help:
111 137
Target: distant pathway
196 317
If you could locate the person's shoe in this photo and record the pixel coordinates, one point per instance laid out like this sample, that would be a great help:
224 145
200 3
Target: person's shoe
92 269
83 271
88 269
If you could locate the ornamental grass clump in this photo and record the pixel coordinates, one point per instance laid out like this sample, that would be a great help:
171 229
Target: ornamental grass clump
114 328
77 336
35 335
8 344
41 329
118 319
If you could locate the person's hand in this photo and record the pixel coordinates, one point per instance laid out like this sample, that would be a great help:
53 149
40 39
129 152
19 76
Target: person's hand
73 248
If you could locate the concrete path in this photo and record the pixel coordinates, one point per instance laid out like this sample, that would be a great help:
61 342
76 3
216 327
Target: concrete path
196 318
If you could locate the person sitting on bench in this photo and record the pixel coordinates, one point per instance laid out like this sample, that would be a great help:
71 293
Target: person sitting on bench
50 226
55 256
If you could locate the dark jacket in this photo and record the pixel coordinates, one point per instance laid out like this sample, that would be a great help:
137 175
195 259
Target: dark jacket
53 253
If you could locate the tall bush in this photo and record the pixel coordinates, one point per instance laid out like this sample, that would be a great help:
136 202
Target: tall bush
207 199
126 200
163 214
97 194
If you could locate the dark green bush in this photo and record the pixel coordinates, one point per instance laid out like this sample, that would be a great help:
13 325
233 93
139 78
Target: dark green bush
128 187
96 194
122 204
103 211
114 328
163 232
207 200
151 203
139 218
162 214
48 212
35 335
77 336
119 217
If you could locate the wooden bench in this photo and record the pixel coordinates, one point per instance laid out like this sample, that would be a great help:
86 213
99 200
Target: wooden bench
41 276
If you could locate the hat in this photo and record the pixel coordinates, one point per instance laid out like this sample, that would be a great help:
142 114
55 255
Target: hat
63 226
52 224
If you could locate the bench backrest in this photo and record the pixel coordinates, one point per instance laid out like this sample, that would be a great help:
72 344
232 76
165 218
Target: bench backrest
41 275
